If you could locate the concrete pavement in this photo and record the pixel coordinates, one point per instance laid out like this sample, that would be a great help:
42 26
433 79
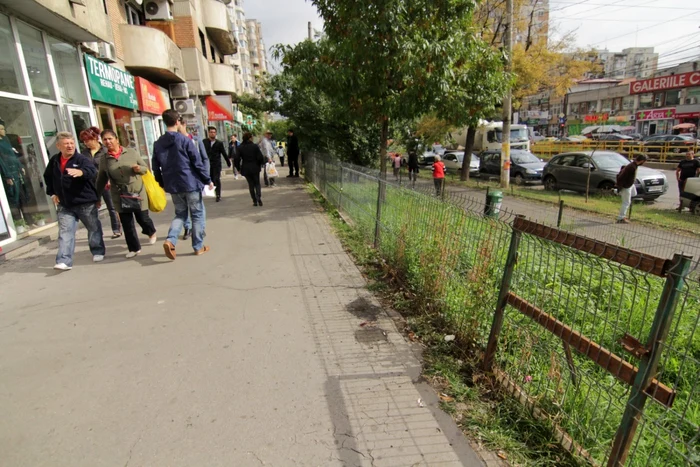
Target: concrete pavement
252 354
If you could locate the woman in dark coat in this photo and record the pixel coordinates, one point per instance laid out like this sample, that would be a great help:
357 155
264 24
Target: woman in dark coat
95 151
252 161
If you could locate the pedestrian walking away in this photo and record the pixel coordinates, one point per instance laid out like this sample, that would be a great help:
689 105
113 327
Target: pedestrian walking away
396 161
233 155
95 150
268 152
280 153
70 182
182 171
199 147
688 168
215 151
625 184
413 167
292 153
252 160
438 175
123 167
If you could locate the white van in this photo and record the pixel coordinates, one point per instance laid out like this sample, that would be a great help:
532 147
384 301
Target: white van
489 137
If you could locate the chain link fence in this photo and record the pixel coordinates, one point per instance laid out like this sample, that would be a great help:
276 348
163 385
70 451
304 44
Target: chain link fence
601 340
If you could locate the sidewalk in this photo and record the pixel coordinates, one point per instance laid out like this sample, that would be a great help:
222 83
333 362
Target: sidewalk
250 355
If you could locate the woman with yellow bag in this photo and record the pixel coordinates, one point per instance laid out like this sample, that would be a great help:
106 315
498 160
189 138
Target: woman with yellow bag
124 169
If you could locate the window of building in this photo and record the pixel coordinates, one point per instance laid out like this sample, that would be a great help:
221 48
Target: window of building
212 52
69 74
203 43
134 16
658 99
36 61
673 97
221 59
606 105
10 71
628 103
646 101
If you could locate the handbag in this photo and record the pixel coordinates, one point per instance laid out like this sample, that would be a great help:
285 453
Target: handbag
156 195
129 202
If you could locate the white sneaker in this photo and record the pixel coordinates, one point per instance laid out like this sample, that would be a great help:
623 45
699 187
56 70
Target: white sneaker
62 267
131 254
152 239
98 258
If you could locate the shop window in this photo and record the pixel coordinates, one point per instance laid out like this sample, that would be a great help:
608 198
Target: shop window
22 165
105 118
69 73
36 61
673 97
606 105
10 72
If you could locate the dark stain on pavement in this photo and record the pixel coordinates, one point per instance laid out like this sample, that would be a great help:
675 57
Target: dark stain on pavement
364 309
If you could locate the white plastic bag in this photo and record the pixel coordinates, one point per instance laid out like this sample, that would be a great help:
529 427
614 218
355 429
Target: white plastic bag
271 170
207 193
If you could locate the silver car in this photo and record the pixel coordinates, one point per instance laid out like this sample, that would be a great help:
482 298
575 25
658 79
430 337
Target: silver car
570 171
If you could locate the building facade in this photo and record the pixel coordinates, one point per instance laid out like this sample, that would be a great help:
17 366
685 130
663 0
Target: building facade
115 64
633 62
654 105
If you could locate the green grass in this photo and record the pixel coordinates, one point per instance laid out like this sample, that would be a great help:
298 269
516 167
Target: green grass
450 263
607 206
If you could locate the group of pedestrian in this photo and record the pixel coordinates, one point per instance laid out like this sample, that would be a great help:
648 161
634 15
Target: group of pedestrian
182 165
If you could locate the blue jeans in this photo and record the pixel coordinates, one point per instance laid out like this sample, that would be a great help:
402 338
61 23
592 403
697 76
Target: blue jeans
191 204
67 225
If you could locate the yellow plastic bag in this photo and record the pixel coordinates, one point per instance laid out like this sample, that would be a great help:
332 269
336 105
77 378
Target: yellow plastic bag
156 195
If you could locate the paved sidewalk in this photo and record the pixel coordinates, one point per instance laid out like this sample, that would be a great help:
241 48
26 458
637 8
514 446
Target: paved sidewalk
252 354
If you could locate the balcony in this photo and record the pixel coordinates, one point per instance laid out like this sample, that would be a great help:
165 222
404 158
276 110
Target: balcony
197 72
216 21
223 78
159 61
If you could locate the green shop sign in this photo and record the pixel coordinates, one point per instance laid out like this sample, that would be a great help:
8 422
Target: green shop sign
110 85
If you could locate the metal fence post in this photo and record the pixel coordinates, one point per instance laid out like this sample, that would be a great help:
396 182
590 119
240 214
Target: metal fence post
679 269
561 213
340 196
377 222
497 323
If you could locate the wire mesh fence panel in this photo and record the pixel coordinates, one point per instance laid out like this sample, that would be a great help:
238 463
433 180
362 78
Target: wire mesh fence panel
571 339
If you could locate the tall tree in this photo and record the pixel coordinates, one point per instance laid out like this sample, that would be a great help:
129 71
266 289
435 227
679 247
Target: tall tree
397 59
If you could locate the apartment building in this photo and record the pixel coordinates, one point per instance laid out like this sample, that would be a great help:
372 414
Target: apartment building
632 62
258 54
533 14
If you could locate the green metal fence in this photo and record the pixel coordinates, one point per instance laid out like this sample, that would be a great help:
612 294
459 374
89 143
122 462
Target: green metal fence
601 340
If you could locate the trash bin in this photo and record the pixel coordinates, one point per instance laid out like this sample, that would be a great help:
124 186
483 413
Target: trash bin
493 204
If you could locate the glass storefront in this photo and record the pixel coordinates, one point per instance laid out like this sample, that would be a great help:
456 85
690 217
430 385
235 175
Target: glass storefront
42 91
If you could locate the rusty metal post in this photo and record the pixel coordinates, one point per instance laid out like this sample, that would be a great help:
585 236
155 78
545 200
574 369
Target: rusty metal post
497 323
677 272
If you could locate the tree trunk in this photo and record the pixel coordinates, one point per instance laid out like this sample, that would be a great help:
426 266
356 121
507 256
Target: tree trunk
468 147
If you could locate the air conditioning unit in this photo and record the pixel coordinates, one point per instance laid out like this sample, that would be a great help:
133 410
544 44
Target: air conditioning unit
184 106
92 48
612 112
157 9
633 117
107 52
179 91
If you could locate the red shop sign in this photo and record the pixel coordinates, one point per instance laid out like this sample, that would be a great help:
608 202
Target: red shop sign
219 108
656 114
596 118
688 115
152 98
663 83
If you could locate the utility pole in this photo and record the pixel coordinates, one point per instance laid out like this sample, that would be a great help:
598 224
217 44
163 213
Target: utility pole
507 101
310 38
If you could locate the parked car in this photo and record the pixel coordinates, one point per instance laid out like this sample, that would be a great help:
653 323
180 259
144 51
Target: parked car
614 137
675 143
454 159
572 139
525 167
570 171
427 158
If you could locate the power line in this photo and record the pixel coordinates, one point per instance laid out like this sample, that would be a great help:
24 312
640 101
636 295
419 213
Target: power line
617 9
649 27
630 6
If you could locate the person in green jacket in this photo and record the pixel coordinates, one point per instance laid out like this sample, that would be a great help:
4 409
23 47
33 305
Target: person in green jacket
123 168
12 173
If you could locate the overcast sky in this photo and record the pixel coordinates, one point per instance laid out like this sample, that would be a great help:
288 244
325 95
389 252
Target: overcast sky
671 26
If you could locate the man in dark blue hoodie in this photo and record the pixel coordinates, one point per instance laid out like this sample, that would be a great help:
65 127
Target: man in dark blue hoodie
182 171
70 182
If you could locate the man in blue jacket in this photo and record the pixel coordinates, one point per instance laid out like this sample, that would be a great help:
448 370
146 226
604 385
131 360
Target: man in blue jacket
70 182
181 170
